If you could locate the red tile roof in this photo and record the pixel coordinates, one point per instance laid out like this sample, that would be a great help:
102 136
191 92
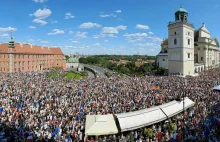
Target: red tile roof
28 49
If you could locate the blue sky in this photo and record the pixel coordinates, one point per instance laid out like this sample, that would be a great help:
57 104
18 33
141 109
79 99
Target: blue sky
101 26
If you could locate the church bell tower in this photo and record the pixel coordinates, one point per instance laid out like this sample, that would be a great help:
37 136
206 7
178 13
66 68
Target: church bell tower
181 44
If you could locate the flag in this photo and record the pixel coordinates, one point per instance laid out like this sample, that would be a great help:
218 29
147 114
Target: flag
77 118
21 133
214 122
81 107
1 109
207 131
68 139
19 107
55 132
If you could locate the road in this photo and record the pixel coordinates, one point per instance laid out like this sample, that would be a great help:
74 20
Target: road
101 71
90 74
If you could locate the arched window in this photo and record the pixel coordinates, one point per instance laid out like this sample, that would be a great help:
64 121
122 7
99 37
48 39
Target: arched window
163 59
175 41
188 41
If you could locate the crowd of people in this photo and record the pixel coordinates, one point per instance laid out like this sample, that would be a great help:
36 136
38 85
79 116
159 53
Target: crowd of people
54 109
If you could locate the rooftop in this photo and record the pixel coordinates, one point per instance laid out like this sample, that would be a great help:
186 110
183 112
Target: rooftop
30 49
181 10
73 60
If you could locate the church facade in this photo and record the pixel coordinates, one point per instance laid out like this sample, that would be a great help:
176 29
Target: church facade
187 51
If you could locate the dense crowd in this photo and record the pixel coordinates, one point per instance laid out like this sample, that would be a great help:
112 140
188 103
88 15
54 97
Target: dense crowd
34 106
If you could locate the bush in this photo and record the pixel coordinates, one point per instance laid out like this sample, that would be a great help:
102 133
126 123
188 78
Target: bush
148 132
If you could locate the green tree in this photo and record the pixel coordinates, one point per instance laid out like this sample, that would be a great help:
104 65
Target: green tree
161 71
124 70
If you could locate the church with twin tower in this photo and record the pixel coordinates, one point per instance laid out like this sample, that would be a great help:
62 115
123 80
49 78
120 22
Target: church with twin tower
188 51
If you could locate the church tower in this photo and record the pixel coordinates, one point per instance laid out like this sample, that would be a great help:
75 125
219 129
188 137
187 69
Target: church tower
181 44
11 47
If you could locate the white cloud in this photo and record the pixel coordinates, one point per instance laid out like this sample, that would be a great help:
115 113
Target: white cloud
96 36
70 32
118 11
53 22
81 34
30 40
97 44
42 13
68 46
56 31
121 27
39 1
5 35
89 25
44 42
69 16
32 27
135 37
150 33
156 39
111 31
102 15
75 41
148 44
7 29
142 27
39 21
105 40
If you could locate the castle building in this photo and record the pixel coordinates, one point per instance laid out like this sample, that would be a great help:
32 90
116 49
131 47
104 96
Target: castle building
17 57
187 51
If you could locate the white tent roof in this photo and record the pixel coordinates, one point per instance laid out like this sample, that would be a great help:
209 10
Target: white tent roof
174 107
134 120
97 125
216 87
141 118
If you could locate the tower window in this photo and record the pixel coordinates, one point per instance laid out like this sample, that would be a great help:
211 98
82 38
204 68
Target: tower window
175 41
201 58
188 41
188 55
163 59
175 33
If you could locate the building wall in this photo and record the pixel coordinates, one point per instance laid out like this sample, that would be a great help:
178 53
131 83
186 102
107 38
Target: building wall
181 54
204 34
72 65
30 62
162 61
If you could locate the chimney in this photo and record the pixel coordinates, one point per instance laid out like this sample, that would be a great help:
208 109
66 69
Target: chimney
21 45
42 47
31 45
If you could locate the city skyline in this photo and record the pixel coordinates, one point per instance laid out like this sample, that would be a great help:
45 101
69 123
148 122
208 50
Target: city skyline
101 27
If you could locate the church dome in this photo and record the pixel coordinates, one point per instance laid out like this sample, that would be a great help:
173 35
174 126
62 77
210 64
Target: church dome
181 10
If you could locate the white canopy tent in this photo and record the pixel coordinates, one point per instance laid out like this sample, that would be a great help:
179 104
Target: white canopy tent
174 107
141 118
97 125
217 88
134 120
